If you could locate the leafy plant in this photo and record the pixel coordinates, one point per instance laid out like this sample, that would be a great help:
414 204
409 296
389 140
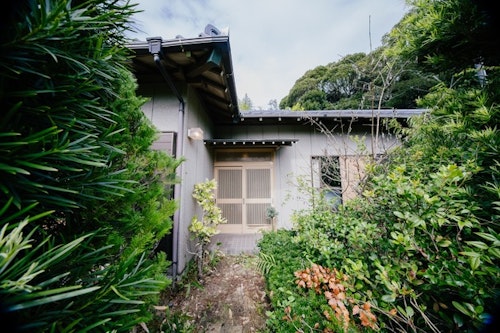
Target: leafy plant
75 162
265 262
24 283
291 309
204 229
421 244
332 284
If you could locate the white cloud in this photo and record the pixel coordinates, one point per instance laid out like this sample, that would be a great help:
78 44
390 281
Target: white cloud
274 42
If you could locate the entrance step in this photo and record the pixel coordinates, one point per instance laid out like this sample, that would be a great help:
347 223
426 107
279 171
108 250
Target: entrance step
235 244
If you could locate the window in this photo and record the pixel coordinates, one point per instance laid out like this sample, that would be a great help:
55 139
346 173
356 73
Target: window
244 156
327 178
165 142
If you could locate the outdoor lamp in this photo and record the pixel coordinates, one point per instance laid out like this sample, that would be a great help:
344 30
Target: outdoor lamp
195 133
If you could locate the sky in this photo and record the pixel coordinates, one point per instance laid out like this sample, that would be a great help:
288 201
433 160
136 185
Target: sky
274 42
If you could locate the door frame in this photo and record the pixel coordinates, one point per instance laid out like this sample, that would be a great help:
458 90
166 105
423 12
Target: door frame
244 228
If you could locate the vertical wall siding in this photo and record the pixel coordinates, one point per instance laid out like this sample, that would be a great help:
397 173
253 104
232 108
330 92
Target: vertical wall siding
295 161
165 142
162 110
197 167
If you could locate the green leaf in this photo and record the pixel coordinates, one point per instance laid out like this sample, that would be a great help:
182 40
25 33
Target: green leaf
118 313
478 244
490 237
13 170
61 294
7 134
6 206
464 223
471 254
19 213
475 262
36 166
94 325
389 298
39 216
494 251
444 243
63 251
399 214
119 294
460 308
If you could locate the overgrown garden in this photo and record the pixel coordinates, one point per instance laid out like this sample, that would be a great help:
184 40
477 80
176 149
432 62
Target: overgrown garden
419 249
82 204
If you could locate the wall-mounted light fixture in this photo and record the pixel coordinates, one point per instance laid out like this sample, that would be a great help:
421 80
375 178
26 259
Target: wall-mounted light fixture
195 133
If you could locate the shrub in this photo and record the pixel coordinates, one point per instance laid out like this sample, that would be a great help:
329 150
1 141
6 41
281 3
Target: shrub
75 164
422 243
203 230
293 308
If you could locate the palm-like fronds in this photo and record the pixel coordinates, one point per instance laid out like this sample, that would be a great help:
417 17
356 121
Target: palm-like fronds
265 263
75 165
24 282
60 77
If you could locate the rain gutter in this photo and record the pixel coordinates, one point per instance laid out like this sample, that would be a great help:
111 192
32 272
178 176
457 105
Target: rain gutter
155 46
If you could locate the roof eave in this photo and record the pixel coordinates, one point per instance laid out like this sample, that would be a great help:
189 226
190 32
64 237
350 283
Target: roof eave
220 43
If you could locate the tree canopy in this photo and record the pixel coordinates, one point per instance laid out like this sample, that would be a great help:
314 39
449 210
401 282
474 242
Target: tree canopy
447 36
359 81
434 40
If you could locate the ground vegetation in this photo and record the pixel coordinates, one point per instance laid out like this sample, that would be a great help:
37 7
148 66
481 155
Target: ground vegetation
418 250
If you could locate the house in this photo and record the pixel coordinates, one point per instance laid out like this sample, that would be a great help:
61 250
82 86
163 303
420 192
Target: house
256 157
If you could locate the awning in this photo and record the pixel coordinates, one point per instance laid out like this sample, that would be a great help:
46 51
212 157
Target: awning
261 143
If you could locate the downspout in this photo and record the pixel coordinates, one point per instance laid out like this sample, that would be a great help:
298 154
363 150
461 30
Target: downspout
155 50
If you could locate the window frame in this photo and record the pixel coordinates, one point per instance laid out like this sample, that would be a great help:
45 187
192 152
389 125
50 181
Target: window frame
330 188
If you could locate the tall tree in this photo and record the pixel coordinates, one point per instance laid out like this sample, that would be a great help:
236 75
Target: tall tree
308 82
448 36
246 103
360 81
273 104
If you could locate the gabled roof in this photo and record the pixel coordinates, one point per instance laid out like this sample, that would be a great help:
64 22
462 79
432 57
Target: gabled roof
203 62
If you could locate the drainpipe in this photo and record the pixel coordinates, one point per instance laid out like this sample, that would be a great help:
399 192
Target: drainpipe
155 50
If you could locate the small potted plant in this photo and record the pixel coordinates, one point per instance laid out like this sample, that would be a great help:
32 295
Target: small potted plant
271 214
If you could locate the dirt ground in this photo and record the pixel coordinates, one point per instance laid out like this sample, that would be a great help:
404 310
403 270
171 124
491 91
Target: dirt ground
230 298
